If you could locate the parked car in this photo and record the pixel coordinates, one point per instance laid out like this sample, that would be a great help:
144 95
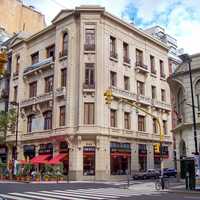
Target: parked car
149 174
169 172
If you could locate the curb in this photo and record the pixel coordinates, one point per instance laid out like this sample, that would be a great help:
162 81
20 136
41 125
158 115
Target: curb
184 192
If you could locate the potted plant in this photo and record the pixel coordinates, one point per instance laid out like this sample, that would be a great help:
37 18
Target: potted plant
27 171
46 177
38 177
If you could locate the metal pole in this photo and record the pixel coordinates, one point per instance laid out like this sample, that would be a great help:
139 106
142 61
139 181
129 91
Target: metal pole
193 109
16 139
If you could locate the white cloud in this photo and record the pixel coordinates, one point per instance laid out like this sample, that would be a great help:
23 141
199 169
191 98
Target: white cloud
181 18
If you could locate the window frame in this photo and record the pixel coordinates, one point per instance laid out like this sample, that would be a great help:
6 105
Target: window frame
33 89
89 113
141 123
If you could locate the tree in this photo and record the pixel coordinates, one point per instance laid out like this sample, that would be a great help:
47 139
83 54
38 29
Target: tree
7 123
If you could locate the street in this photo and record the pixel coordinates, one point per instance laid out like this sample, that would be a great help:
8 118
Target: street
88 190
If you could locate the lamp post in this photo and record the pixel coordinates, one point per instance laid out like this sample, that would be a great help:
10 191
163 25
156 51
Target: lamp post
186 58
16 136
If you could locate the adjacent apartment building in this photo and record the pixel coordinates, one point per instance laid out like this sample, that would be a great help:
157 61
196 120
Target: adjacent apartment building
59 76
16 17
181 89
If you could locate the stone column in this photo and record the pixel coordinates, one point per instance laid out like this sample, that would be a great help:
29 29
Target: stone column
134 158
150 156
102 163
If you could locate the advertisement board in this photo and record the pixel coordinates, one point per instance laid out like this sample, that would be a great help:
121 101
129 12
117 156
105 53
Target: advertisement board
197 171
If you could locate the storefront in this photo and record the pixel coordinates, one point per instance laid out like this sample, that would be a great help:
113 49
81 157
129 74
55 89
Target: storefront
157 160
142 157
89 160
29 152
3 154
120 158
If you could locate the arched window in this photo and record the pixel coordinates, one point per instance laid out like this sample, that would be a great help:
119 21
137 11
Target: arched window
197 92
65 44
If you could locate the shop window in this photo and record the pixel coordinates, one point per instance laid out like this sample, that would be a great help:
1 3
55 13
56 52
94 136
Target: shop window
142 157
29 151
89 161
120 158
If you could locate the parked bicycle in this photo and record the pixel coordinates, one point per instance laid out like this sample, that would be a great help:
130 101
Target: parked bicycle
158 184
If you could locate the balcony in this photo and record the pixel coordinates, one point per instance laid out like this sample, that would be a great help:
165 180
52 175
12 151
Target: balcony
143 100
123 94
60 92
42 65
89 47
127 60
36 100
140 67
113 55
88 86
161 105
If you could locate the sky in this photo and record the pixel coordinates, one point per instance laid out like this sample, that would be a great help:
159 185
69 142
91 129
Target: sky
180 18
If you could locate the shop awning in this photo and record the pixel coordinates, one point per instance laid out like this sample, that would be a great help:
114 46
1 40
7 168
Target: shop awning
58 158
40 159
24 162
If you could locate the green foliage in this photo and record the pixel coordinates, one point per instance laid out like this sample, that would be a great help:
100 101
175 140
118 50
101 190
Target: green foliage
7 123
27 169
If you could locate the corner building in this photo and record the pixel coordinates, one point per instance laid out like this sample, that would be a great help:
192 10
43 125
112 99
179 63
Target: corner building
62 74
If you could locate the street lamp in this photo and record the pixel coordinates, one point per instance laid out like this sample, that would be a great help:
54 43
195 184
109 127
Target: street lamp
186 59
14 103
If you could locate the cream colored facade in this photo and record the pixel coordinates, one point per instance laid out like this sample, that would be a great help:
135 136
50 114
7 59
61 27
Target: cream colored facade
16 17
74 95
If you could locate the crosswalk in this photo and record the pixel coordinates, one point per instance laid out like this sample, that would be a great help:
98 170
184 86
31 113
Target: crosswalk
103 193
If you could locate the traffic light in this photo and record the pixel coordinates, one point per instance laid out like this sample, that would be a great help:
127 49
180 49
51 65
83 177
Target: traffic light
157 148
108 96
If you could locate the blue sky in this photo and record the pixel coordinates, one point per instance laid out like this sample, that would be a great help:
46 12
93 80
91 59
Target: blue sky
180 18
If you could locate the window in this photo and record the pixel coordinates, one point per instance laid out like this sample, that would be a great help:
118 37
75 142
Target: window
197 92
152 63
127 120
33 89
163 95
15 94
29 123
113 118
89 161
139 57
154 125
17 65
89 40
35 58
141 123
47 120
51 51
126 52
88 113
113 79
165 127
140 88
49 84
64 45
62 115
153 92
63 77
126 83
89 75
162 73
113 47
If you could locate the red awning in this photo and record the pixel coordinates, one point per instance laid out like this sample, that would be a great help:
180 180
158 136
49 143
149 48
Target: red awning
58 158
40 159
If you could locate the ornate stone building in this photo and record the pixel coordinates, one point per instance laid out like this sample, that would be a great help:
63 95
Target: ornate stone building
59 76
180 86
